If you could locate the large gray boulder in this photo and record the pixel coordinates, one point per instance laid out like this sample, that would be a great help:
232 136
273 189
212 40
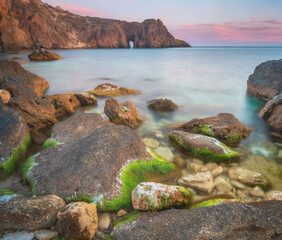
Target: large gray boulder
257 221
266 81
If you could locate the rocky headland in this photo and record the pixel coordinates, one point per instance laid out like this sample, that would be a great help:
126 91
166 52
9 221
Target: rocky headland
26 23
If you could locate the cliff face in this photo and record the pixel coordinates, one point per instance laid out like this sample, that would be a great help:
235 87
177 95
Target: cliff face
24 23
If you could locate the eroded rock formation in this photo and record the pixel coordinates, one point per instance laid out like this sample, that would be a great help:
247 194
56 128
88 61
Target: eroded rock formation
24 23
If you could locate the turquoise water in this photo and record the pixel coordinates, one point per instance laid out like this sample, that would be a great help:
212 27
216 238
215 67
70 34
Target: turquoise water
203 81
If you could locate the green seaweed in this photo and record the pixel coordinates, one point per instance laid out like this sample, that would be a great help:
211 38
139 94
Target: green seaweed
7 194
50 143
235 137
209 203
126 218
25 169
10 165
206 153
4 192
205 130
81 198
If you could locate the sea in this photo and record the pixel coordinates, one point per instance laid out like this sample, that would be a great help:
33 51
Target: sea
203 81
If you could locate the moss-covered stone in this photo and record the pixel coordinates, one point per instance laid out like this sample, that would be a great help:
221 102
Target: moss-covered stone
206 130
50 143
126 218
25 169
9 165
209 203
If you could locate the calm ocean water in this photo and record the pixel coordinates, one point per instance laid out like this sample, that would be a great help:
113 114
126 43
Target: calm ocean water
203 81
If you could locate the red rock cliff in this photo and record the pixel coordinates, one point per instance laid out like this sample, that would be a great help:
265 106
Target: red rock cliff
26 22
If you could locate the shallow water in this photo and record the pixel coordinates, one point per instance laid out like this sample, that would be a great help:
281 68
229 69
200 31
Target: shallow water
203 81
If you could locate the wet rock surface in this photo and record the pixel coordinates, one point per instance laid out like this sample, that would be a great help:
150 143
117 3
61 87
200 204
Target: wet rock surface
90 165
78 221
43 55
266 81
110 90
30 213
224 127
228 221
162 105
122 113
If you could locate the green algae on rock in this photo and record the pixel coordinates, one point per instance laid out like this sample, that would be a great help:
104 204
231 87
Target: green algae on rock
149 196
7 194
212 202
204 147
50 143
126 218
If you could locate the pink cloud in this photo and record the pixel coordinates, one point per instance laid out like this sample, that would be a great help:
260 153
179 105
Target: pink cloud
235 32
81 11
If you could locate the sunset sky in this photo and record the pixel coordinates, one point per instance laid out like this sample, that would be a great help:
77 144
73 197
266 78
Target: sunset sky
201 22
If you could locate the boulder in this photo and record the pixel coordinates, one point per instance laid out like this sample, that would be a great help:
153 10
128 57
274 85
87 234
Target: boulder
14 139
110 90
150 196
103 166
122 113
78 221
247 176
76 127
266 81
5 96
30 213
204 147
43 55
162 105
202 182
66 103
225 221
224 127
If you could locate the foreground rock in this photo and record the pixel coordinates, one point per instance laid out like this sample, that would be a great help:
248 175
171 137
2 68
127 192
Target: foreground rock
43 55
30 213
204 147
272 113
266 81
14 139
162 105
76 127
155 196
56 28
224 127
227 221
78 221
65 104
122 113
22 235
110 90
98 166
246 176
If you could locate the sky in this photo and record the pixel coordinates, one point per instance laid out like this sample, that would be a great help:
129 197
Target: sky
198 22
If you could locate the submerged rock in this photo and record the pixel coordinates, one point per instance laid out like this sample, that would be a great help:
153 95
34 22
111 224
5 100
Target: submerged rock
22 235
204 147
246 176
5 96
266 81
45 234
150 196
151 143
78 221
43 55
104 221
14 139
165 153
225 221
103 167
110 90
224 127
162 105
30 213
273 195
122 113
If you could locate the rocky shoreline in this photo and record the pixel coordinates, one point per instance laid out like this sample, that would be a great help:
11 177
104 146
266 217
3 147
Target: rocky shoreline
92 178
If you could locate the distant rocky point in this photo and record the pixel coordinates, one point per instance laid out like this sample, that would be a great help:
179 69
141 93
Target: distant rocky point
24 23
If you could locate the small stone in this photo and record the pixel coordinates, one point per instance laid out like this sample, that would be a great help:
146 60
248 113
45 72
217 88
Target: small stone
22 235
196 160
196 167
217 171
165 153
257 192
237 184
104 221
150 142
5 96
225 169
211 166
273 195
179 162
241 194
222 185
45 234
121 213
202 181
